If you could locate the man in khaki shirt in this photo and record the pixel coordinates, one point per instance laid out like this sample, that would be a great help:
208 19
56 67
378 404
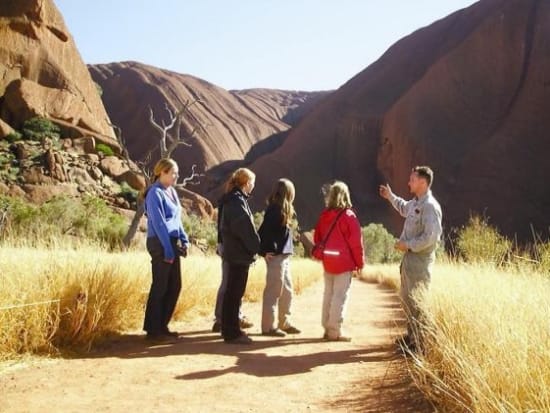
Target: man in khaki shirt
419 239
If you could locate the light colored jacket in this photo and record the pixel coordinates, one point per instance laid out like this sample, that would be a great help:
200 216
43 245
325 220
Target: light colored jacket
422 229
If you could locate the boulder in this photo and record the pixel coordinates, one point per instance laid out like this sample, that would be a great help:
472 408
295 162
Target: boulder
39 194
134 179
113 166
85 144
195 203
42 73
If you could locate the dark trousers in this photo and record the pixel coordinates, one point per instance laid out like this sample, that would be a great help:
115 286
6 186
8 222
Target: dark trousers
165 288
237 276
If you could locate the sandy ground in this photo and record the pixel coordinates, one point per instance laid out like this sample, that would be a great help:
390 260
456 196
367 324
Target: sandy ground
199 373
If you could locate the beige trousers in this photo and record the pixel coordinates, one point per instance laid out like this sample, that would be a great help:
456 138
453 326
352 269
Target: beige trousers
415 276
277 293
334 303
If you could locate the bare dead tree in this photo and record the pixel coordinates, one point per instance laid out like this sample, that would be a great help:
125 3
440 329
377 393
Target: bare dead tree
169 140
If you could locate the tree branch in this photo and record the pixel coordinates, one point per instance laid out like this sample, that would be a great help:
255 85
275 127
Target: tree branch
190 179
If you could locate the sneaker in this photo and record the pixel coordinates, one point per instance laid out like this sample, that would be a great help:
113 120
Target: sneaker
345 339
291 330
276 332
242 339
217 327
245 322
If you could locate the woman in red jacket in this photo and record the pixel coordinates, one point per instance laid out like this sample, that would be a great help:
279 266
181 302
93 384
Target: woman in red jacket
339 231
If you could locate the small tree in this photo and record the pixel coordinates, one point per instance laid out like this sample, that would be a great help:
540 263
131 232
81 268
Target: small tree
167 144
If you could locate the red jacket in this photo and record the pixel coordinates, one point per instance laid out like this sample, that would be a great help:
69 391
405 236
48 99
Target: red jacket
344 247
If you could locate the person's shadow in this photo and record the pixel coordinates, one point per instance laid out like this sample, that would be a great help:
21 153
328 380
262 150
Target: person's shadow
249 358
264 365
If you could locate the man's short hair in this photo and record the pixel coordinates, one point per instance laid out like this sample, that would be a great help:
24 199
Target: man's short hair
425 172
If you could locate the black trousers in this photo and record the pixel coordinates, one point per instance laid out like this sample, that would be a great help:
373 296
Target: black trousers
237 277
165 288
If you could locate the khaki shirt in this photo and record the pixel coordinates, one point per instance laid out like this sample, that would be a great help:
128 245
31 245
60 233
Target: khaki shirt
422 229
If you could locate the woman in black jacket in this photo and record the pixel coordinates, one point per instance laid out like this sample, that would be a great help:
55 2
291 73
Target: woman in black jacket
240 245
277 247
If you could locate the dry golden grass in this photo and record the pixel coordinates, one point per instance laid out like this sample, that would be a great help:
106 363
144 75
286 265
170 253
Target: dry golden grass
487 338
81 296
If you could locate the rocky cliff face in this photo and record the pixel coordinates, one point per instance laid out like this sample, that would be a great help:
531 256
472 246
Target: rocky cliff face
42 73
469 95
231 122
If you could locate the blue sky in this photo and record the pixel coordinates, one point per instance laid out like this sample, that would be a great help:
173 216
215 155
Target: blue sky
284 44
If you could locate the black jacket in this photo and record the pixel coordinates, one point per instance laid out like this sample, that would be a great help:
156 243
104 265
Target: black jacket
236 228
275 237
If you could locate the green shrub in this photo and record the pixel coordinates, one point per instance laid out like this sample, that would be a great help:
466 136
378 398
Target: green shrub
201 231
104 149
14 137
128 193
379 244
61 217
37 128
479 242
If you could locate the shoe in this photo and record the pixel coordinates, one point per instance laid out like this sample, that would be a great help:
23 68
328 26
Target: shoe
276 332
242 339
245 323
345 339
217 327
171 333
291 330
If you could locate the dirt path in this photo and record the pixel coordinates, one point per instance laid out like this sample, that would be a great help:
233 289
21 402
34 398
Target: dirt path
199 373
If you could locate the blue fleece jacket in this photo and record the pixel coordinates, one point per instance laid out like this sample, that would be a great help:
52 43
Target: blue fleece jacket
164 218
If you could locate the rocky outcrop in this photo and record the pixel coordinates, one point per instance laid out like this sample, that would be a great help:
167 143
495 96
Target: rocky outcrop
469 95
228 123
42 73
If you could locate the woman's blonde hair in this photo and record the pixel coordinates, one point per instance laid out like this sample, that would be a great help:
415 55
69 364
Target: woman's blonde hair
239 178
283 194
338 196
163 165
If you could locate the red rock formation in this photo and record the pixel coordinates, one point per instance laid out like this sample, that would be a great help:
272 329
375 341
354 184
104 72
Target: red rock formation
233 121
469 95
42 73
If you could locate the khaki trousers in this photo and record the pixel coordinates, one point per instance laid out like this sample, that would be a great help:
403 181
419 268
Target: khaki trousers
334 302
277 293
415 275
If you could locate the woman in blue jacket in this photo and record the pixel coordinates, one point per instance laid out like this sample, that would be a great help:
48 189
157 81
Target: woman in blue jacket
166 242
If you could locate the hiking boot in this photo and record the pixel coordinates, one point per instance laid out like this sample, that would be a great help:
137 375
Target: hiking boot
276 332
